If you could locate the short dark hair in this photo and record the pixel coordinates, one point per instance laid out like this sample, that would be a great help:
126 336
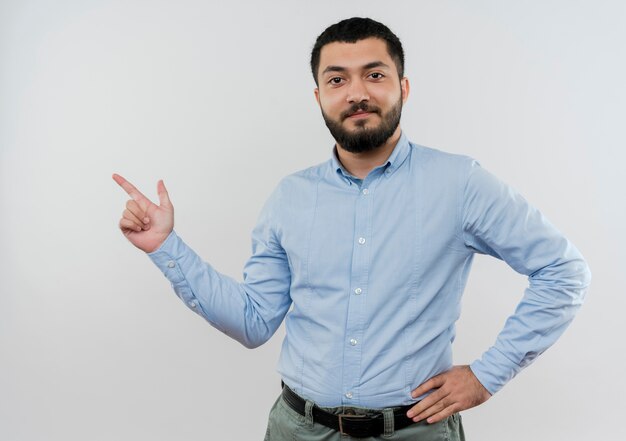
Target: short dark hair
352 30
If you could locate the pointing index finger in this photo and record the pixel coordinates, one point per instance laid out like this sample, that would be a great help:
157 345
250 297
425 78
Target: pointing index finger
129 188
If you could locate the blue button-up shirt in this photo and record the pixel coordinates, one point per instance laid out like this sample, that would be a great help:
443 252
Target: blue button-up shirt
374 270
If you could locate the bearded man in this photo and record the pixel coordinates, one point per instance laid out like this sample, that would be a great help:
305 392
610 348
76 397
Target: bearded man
366 257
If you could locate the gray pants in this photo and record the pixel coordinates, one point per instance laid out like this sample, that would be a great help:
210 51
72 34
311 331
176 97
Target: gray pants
285 424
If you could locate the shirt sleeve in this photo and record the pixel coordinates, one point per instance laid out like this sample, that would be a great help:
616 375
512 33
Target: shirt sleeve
499 222
250 311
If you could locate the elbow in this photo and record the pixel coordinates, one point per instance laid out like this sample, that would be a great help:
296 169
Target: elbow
253 343
257 328
248 341
582 274
579 281
585 278
255 335
567 280
250 337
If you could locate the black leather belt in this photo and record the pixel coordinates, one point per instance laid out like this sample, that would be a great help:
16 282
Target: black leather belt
348 423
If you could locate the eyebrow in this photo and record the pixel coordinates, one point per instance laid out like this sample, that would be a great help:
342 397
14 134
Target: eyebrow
371 65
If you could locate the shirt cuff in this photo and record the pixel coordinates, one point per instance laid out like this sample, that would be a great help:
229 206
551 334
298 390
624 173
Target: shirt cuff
494 370
167 258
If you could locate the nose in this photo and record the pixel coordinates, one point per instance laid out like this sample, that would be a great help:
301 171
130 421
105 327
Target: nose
357 92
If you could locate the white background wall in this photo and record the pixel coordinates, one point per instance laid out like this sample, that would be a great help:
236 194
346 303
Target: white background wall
217 99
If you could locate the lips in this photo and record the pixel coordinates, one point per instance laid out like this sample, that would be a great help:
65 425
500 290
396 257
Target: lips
360 111
360 114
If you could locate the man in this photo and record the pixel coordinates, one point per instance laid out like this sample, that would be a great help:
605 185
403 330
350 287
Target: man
373 250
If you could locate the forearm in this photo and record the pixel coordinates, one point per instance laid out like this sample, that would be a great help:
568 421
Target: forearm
225 303
554 295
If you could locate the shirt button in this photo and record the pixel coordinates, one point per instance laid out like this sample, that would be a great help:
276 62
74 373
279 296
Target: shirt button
171 264
353 341
361 240
349 395
358 291
193 304
365 191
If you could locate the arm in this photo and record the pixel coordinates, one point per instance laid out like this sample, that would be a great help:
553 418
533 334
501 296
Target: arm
499 222
249 312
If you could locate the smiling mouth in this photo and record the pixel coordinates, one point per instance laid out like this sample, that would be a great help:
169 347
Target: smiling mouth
360 111
361 114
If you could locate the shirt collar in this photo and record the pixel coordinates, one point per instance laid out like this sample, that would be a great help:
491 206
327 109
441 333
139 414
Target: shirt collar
395 160
399 154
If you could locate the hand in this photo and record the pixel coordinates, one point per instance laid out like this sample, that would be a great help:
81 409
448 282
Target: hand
145 224
455 390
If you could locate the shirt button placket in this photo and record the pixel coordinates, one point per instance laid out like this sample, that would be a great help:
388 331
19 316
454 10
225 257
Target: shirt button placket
354 325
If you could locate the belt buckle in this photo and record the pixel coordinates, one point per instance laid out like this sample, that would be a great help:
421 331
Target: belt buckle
349 414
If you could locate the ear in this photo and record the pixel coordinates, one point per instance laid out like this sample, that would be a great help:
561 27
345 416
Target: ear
316 91
406 87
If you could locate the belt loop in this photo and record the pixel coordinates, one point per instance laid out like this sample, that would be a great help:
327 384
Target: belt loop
308 413
389 422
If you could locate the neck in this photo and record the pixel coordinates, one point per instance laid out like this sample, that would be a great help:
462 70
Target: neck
360 164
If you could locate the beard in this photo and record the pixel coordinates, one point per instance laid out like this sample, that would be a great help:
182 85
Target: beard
362 138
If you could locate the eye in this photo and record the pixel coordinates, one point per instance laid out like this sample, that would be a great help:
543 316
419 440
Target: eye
376 76
335 81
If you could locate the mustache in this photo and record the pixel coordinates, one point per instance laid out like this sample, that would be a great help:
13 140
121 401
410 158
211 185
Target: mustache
363 106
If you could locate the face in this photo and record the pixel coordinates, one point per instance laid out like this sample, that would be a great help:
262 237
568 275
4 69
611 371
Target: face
360 94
